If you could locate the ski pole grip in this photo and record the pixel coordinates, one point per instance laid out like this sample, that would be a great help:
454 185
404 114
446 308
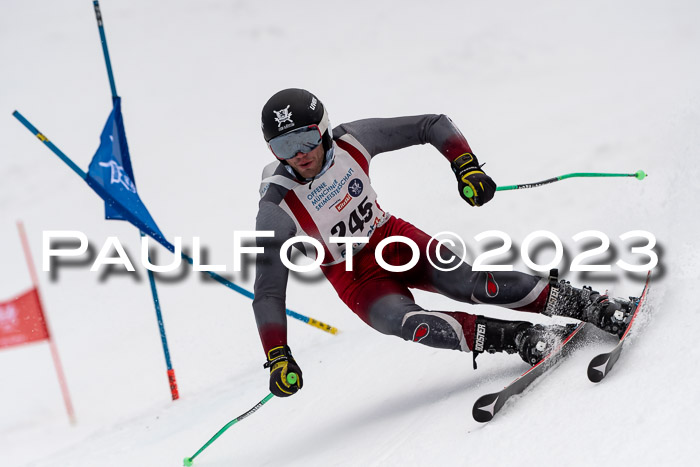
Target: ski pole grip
468 192
292 378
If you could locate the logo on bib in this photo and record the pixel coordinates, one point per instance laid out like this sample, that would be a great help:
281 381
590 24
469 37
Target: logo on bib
343 202
355 187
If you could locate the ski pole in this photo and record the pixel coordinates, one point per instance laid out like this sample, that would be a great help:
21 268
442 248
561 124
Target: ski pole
639 175
187 462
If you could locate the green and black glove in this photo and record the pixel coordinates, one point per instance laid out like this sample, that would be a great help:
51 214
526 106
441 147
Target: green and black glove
475 187
281 364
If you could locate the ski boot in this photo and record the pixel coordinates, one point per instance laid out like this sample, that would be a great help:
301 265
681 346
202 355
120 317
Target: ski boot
532 342
585 304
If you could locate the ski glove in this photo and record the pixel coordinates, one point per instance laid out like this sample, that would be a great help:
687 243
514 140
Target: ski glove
282 364
475 187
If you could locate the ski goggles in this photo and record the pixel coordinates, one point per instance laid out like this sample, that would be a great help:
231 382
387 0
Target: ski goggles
288 145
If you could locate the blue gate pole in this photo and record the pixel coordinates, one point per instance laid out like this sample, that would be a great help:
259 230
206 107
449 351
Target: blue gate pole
105 51
151 279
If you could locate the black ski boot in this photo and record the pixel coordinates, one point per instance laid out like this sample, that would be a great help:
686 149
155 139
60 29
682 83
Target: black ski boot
585 304
531 341
539 340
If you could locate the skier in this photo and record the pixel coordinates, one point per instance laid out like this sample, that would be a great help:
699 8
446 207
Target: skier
319 186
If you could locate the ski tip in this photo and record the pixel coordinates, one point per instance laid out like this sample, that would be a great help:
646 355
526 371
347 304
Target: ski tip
598 367
485 408
594 375
187 462
481 416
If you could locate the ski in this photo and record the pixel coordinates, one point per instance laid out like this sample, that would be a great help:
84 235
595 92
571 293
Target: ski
488 405
601 365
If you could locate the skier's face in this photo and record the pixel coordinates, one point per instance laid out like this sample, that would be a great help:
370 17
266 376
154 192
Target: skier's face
308 164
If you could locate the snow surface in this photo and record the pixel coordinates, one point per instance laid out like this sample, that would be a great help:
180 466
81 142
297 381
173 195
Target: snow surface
539 89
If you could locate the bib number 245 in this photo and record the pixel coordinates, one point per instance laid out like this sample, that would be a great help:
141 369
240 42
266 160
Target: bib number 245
357 219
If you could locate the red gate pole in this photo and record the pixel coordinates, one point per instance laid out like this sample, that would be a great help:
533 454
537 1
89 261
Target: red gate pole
52 344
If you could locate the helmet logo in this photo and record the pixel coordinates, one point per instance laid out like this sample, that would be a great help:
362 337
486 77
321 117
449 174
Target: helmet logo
312 106
282 116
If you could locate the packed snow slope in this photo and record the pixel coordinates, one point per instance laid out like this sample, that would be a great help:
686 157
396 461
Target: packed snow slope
539 89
